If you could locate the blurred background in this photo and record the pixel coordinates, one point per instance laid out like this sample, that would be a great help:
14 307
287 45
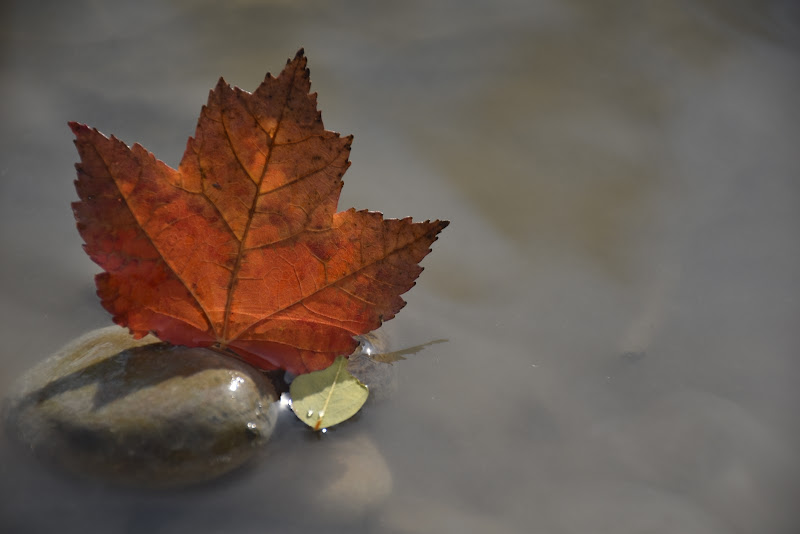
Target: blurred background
619 284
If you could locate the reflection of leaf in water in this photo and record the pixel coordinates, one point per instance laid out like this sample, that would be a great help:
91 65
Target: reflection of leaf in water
325 398
396 356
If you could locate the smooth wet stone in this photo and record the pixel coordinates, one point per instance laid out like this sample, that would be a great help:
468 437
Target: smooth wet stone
143 413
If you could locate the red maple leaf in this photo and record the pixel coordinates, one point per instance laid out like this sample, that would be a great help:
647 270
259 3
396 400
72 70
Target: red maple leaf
242 247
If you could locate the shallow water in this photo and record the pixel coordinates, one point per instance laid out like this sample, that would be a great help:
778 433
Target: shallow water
619 284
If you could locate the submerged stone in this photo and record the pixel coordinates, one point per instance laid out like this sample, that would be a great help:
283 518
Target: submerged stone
340 477
140 412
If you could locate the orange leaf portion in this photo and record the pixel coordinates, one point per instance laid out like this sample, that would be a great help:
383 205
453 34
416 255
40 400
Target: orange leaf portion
242 247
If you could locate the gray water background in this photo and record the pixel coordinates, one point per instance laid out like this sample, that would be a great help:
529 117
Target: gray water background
619 284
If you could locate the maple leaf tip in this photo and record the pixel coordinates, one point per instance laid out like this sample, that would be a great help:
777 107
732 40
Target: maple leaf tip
299 62
77 127
221 85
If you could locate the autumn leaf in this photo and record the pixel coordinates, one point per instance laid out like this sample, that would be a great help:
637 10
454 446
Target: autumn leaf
241 247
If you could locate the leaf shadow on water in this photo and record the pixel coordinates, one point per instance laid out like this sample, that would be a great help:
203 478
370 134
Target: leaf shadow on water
398 355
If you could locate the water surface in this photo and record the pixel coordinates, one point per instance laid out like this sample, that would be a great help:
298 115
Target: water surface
619 284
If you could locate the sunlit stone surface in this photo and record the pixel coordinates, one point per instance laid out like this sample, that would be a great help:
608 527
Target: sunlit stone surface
140 412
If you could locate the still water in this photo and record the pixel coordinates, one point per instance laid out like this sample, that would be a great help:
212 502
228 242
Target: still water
619 283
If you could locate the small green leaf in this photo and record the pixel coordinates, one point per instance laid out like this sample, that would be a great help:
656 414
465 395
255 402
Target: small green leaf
328 397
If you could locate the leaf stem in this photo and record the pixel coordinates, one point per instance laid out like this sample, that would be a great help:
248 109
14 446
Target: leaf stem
330 393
